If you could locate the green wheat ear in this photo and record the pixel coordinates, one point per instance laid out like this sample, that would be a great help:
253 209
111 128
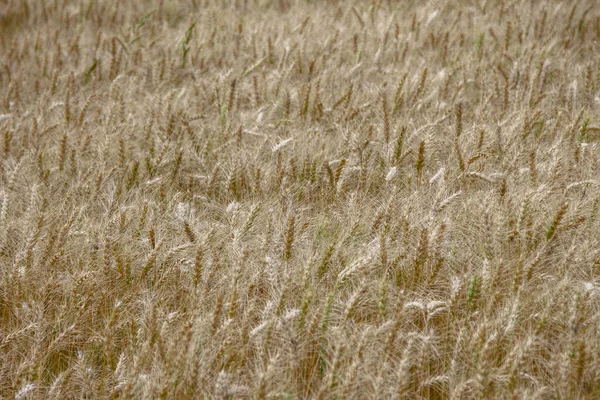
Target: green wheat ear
560 213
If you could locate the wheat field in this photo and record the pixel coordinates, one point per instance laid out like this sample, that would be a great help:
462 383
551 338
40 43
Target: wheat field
294 199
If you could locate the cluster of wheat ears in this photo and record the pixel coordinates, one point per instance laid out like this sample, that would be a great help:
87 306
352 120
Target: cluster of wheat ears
299 199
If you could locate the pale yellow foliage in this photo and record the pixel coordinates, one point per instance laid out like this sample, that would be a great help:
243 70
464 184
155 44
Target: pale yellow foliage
299 199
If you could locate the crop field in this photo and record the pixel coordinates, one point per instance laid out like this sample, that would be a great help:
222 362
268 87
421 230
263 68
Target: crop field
292 199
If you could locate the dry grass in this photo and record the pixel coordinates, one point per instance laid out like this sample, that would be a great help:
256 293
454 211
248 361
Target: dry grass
293 199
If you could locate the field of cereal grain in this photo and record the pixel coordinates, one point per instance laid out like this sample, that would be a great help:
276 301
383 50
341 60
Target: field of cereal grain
294 199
